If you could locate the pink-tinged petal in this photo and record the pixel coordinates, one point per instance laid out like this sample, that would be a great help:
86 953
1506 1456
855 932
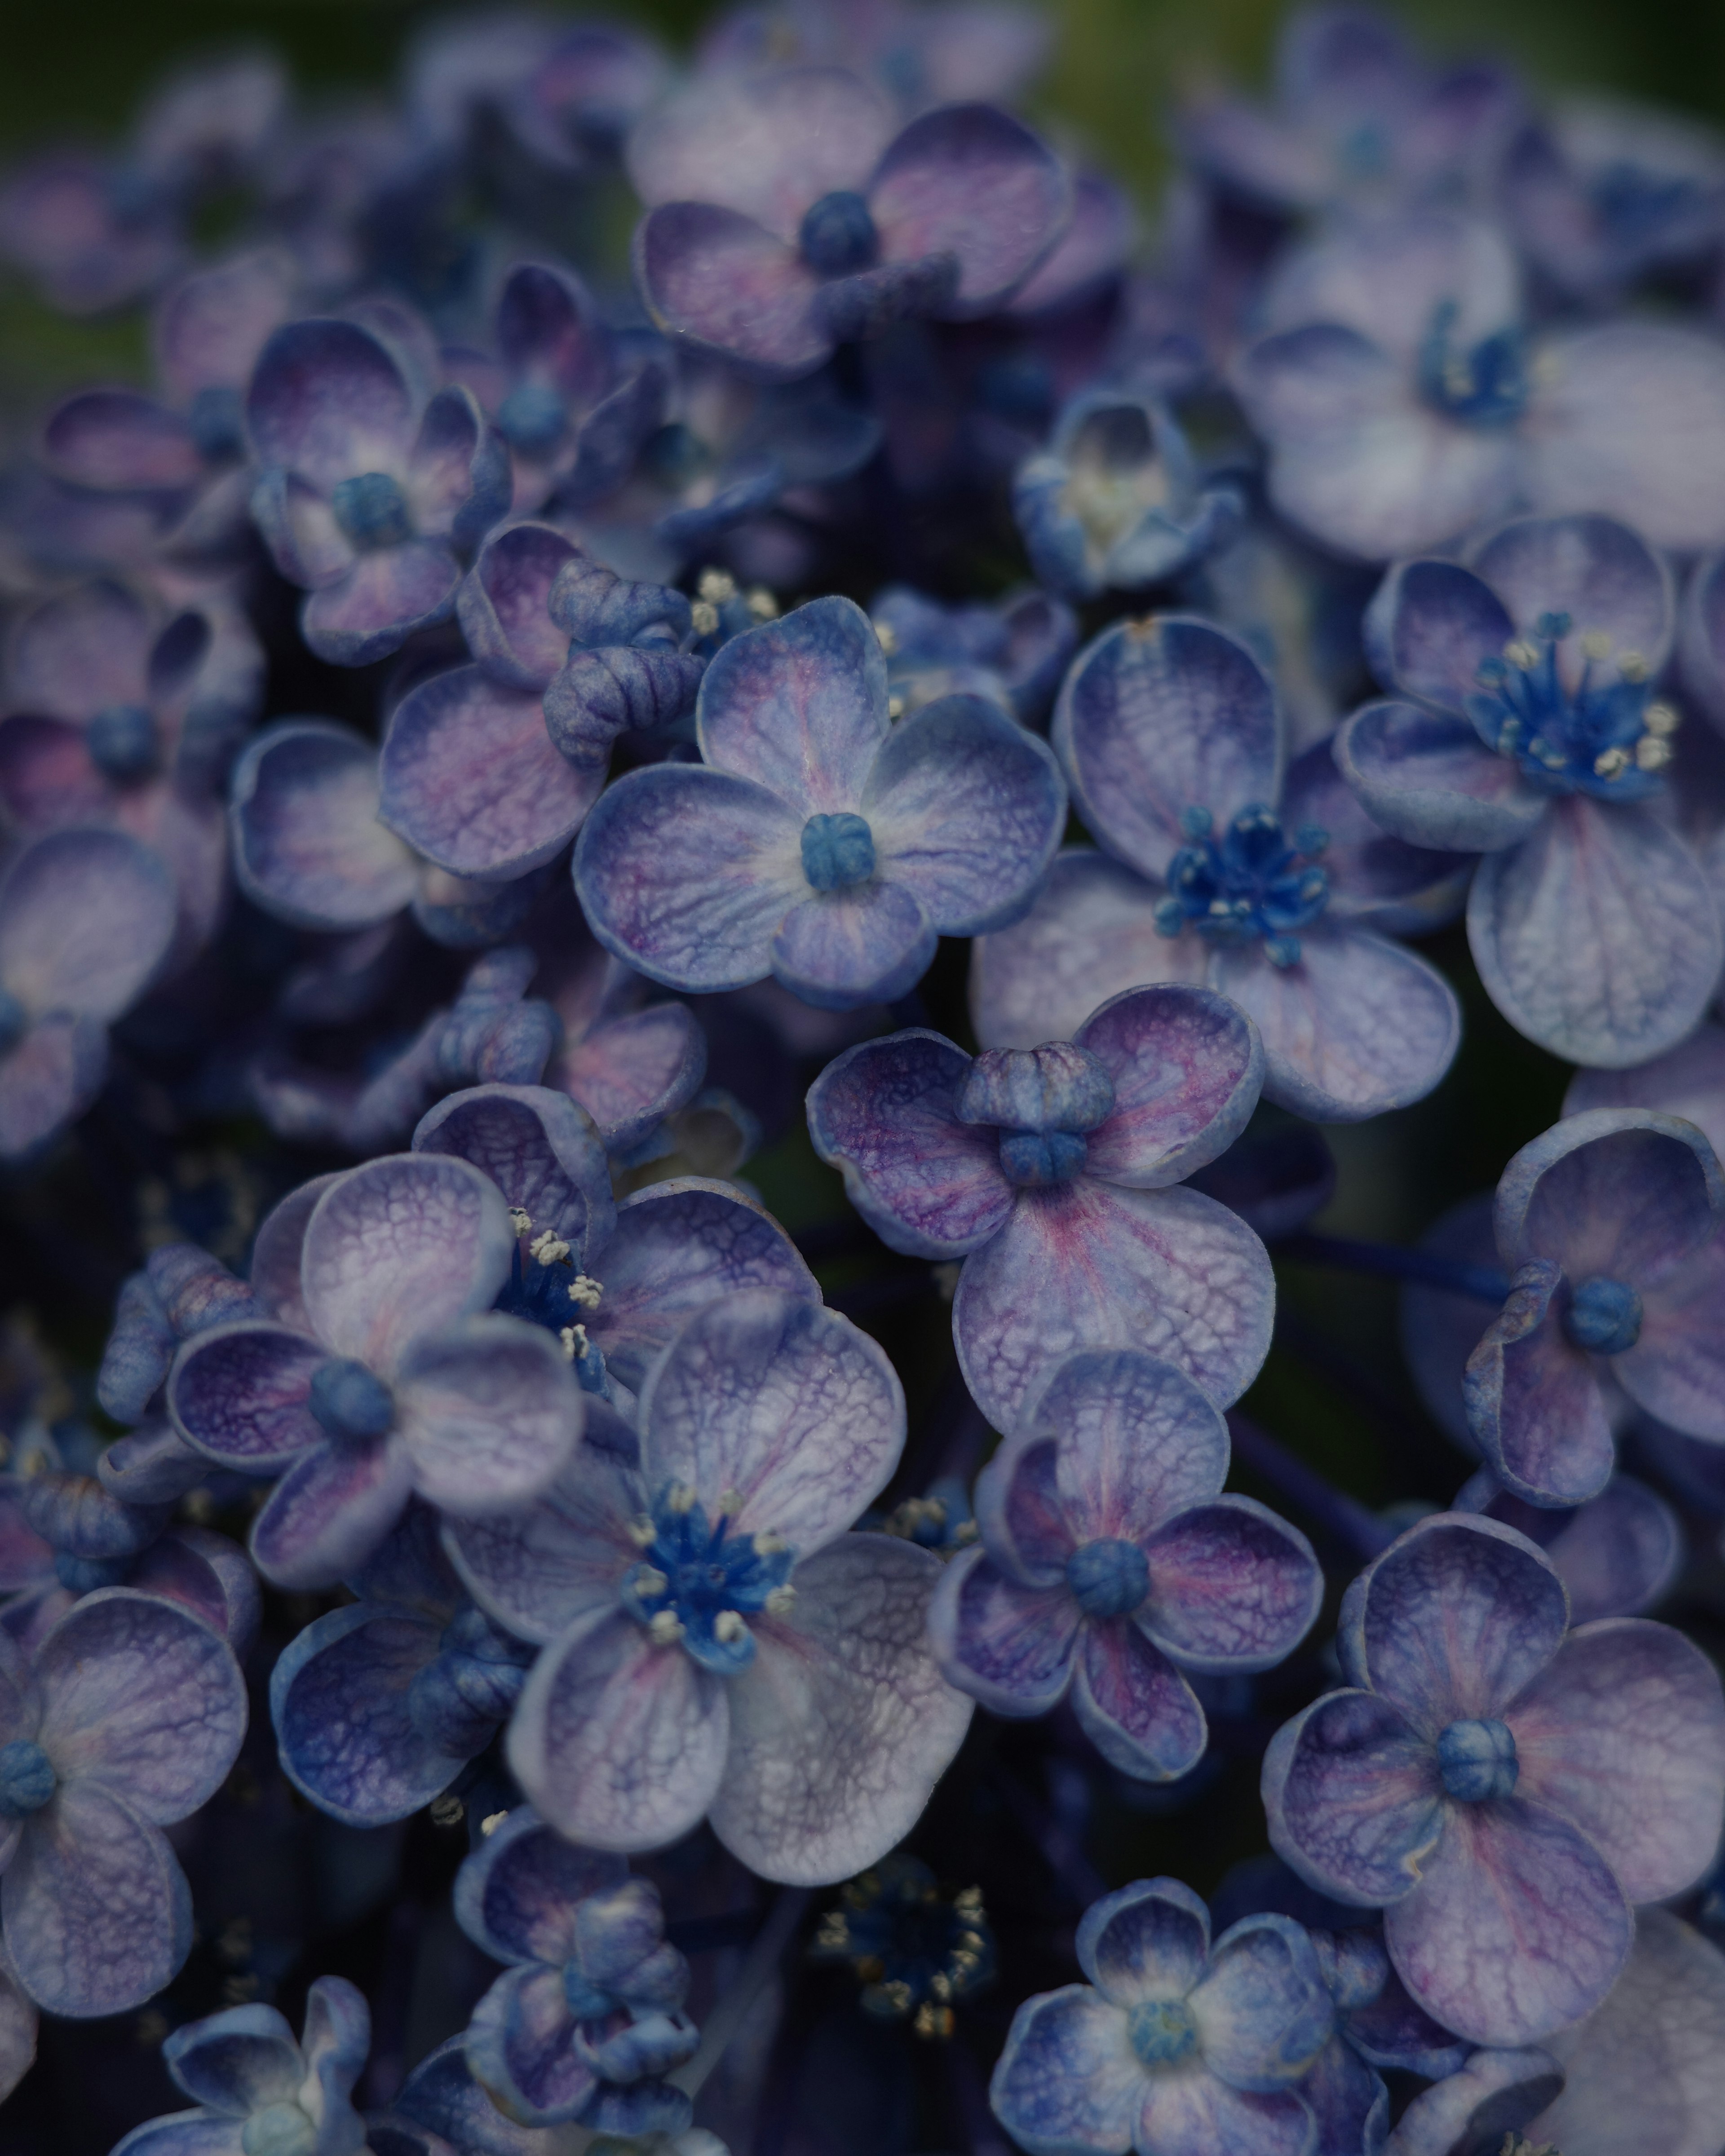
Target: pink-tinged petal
686 873
52 1076
141 1696
517 1897
1688 1080
47 780
1134 1705
539 1149
239 1392
118 438
966 810
85 919
885 1114
1515 1928
1159 716
1091 1266
1633 1194
1008 1646
1377 880
327 402
725 283
1598 936
1674 1370
559 1562
970 182
82 650
380 602
1492 2094
844 950
1147 1941
452 472
1186 1068
1358 1025
299 527
98 1914
522 2048
1427 777
1018 1506
503 605
1069 2082
207 1574
1534 1402
1352 1798
307 844
678 1246
329 1512
842 1724
1090 935
1602 575
469 778
1231 1587
210 327
782 1401
1623 1734
401 1248
1629 418
1454 1618
800 706
629 1073
619 1743
489 1412
1193 2114
768 144
1137 1442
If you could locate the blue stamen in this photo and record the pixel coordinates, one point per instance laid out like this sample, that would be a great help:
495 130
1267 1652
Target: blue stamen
1251 884
532 416
1605 1316
27 1779
838 851
353 1404
1478 1761
1599 735
1108 1578
1162 2032
697 1581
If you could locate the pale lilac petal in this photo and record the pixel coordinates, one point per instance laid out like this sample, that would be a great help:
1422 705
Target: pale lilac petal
327 402
1601 574
54 1074
1515 1928
799 706
629 1073
1636 1194
307 844
503 602
1352 1798
1091 1266
1020 1509
1427 777
373 609
1263 2012
1616 1556
1146 1942
1348 2099
489 1412
1379 880
211 326
1186 1068
1688 1081
1159 716
521 2049
1598 936
458 478
239 1393
1134 1705
679 1246
1492 2095
329 1512
971 182
722 281
1430 626
1008 1646
885 1113
782 1401
339 1701
842 1724
539 1149
276 1250
619 1743
1138 1442
1623 1734
207 1574
118 438
687 873
844 950
402 1247
1195 2114
1232 1587
1534 1403
1069 2082
469 778
80 651
85 920
515 1895
1358 1025
1674 1369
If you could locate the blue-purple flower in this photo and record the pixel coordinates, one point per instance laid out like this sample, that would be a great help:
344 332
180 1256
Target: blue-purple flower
1378 2027
1502 1788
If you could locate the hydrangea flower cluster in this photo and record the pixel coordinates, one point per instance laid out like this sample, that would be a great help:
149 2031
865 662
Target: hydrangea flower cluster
775 889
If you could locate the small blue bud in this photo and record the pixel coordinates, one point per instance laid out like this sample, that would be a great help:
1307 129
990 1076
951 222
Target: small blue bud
1554 625
1108 1578
350 1402
1604 1317
585 1999
532 416
838 236
838 851
1034 1159
123 743
27 1779
372 510
1170 916
1478 1761
1162 2032
1282 950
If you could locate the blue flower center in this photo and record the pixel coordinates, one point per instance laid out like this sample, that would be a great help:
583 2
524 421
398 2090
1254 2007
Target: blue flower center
545 1288
372 510
1251 883
279 2129
1605 1316
216 424
1633 205
585 2000
1598 732
124 742
532 416
14 1021
1032 1159
27 1779
1162 2032
838 851
1485 385
1478 1761
838 236
697 1582
1108 1578
352 1403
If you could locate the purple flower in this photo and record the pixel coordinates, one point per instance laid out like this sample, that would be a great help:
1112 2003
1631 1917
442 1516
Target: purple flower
785 215
1377 2025
367 490
443 2111
378 1706
1109 1564
612 1282
1608 1226
181 1290
126 1718
1174 2047
1502 1792
257 2091
385 1374
1492 2093
1116 501
590 1995
714 1643
1272 886
817 842
1523 726
1617 1555
1404 404
1687 1080
86 918
1013 652
1052 1173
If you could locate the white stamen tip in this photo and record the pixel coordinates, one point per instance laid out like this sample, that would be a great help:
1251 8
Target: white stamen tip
730 1501
1520 653
728 1626
680 1497
520 1221
1661 719
574 1340
769 1544
704 618
781 1602
716 586
650 1581
886 636
666 1629
1652 754
762 604
549 1249
586 1290
1632 666
1610 762
492 1820
643 1533
1596 644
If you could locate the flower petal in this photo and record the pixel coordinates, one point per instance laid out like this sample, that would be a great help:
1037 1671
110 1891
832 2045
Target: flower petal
373 608
1186 1068
239 1392
237 2062
503 605
54 1074
1673 1369
1008 1646
1688 1081
339 1700
119 438
489 1412
722 282
1430 626
1137 1442
515 1896
522 2048
1427 777
81 650
1069 2082
307 844
1489 2096
1194 2114
629 1073
1232 1587
799 706
1147 1941
329 1512
539 1149
1264 2012
85 920
844 950
327 402
971 182
1134 1705
1534 1403
1602 575
1633 1194
1352 1796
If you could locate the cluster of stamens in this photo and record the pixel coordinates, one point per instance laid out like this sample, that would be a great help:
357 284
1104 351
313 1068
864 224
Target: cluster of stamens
698 1582
1599 733
542 1284
1253 882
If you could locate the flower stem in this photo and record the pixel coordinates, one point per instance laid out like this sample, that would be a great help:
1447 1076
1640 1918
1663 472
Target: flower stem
1390 1261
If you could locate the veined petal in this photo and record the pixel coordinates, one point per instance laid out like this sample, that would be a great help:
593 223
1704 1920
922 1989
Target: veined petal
1186 1066
1008 1646
1134 1705
1138 1442
1353 1800
1427 777
307 844
1069 2082
488 1413
1232 1587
